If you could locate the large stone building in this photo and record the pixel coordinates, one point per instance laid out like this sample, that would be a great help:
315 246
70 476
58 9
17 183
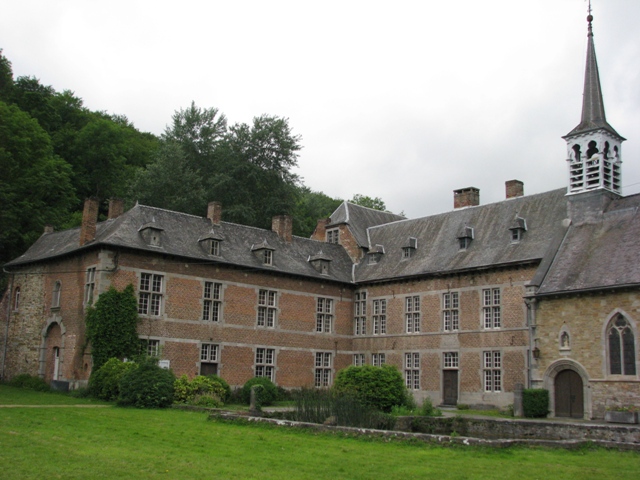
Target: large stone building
538 290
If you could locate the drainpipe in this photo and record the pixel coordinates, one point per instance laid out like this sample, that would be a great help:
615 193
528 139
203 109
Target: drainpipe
531 320
6 333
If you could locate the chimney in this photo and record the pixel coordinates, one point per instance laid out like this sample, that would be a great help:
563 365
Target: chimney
514 188
466 197
214 212
116 208
320 231
89 220
282 225
48 228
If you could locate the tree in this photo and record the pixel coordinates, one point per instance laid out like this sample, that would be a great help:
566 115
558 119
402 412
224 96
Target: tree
169 182
6 78
112 326
369 202
35 184
310 207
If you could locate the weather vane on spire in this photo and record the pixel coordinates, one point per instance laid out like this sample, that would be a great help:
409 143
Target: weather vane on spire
589 10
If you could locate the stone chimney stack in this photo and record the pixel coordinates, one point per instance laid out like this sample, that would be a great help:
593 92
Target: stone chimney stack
89 220
466 197
214 212
320 231
48 228
116 208
514 188
283 226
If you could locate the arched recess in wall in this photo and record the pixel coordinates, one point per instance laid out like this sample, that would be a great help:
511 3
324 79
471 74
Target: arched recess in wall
549 383
52 349
620 343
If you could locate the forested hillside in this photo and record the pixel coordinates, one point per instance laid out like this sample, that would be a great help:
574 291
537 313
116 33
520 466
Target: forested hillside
55 152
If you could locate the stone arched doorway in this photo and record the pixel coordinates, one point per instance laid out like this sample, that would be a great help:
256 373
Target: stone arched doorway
53 353
569 398
569 392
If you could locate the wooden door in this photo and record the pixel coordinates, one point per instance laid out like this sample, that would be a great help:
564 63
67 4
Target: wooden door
450 387
569 395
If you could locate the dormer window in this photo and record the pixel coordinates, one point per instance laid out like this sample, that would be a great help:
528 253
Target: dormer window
465 236
517 229
211 243
264 252
320 262
333 235
409 248
375 255
151 233
267 257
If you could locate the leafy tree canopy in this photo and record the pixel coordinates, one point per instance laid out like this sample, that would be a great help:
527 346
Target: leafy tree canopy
369 202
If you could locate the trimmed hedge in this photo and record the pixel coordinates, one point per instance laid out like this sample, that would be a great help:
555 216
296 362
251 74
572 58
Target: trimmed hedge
202 391
266 396
104 383
535 402
147 386
376 387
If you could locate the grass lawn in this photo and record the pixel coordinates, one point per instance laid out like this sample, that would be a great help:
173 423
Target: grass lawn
127 443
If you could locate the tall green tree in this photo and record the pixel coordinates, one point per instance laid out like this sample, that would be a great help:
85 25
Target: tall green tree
365 201
310 207
35 184
6 78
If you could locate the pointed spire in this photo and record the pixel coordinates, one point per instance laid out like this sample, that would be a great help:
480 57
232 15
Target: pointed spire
593 116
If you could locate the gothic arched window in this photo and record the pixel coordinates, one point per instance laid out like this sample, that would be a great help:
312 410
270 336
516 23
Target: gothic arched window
622 347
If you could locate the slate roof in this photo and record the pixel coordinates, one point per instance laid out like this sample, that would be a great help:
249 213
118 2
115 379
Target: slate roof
180 235
359 219
600 253
438 250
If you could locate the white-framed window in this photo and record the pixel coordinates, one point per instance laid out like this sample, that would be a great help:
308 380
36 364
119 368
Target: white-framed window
322 376
150 294
412 370
622 347
267 257
150 347
412 314
209 355
358 359
379 317
360 313
16 298
516 235
55 294
267 308
89 285
451 311
324 315
450 360
265 363
211 301
214 248
333 235
491 308
378 359
407 252
492 371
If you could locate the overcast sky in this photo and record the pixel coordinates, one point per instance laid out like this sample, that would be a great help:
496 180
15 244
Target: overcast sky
403 100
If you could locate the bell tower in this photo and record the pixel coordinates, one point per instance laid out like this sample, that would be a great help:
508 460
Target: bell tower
593 147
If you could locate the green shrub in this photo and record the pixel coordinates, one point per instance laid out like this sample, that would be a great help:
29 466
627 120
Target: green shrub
376 387
535 402
147 386
32 383
104 382
265 396
462 406
428 410
201 391
223 383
